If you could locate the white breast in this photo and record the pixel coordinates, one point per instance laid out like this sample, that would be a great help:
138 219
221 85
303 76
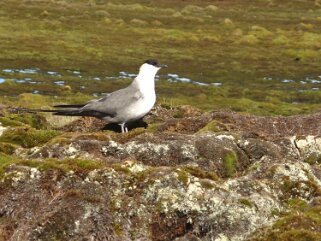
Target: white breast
141 107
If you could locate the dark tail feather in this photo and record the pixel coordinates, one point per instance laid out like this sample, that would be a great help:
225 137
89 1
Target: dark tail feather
71 112
68 106
55 112
68 112
24 110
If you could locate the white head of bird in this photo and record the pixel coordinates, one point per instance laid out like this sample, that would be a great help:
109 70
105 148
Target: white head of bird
147 73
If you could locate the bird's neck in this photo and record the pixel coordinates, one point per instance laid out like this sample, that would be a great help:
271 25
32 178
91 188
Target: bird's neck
145 82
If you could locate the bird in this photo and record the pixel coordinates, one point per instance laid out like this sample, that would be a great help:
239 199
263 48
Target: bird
121 106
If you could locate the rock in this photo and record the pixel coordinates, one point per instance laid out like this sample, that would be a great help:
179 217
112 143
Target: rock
2 129
196 176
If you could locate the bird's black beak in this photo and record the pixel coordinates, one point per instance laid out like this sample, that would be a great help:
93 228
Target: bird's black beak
162 66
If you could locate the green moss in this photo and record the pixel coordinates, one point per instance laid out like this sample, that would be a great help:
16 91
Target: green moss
28 137
5 160
213 126
166 106
32 101
288 188
5 121
188 31
311 40
260 32
60 140
73 193
291 189
249 39
300 223
200 173
246 202
33 120
118 229
313 159
300 234
129 135
229 163
138 22
121 168
159 207
81 164
297 203
211 8
153 127
179 114
280 40
144 175
275 212
303 54
183 176
76 165
7 148
206 184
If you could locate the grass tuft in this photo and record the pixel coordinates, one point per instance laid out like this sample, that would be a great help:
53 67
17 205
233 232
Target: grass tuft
27 137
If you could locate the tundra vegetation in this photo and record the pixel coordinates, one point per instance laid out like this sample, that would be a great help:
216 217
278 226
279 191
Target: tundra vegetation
252 57
265 54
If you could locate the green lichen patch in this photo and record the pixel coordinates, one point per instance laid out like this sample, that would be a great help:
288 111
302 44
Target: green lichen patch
299 224
229 163
297 203
207 184
297 189
124 137
153 127
187 31
34 120
183 176
62 140
28 137
246 202
5 121
121 168
179 114
73 193
7 148
76 165
200 173
66 138
213 126
136 171
314 158
118 229
5 160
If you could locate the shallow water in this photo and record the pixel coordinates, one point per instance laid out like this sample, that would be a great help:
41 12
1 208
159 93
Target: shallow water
171 77
36 76
122 75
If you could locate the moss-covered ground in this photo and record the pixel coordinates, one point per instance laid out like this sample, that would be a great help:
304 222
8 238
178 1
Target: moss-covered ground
260 57
265 53
302 222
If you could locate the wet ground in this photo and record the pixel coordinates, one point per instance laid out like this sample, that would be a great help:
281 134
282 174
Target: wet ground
257 57
37 77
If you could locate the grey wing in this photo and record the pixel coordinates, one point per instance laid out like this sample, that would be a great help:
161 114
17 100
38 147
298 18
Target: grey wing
113 102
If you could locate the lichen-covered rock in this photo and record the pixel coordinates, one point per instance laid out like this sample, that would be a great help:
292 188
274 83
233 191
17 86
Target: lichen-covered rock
217 179
135 201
